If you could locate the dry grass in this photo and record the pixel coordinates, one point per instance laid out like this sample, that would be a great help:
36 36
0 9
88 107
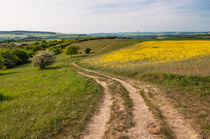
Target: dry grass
194 108
94 45
186 81
176 57
193 66
121 116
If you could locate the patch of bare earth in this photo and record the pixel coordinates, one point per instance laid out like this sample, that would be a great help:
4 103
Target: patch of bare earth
98 123
142 116
121 116
180 127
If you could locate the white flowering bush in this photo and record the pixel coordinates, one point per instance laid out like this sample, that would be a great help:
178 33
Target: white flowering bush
43 58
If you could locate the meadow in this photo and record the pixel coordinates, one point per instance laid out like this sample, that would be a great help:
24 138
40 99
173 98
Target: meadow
153 55
183 63
41 103
95 45
180 67
57 101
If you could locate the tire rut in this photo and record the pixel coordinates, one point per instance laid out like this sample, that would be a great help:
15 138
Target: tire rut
142 116
98 123
180 127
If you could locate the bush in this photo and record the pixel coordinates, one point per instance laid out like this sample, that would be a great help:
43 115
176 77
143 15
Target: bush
22 55
1 62
43 58
33 48
55 50
62 45
52 43
30 53
10 59
87 50
71 50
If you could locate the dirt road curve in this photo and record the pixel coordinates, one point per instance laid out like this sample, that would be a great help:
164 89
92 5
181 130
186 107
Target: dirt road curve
142 116
97 125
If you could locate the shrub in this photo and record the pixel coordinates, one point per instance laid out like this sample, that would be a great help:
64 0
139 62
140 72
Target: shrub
71 50
62 45
87 50
10 59
55 50
52 43
22 56
43 58
33 48
1 62
30 53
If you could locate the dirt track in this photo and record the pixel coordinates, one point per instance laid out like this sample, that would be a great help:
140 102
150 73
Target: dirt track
97 126
142 116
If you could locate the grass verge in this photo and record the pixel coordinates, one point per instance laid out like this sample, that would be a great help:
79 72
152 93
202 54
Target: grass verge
189 94
186 84
42 103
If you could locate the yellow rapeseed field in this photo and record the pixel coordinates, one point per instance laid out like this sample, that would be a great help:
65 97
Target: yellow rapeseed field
156 52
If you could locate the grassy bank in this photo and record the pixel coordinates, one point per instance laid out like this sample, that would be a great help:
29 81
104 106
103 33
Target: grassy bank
41 103
185 83
94 45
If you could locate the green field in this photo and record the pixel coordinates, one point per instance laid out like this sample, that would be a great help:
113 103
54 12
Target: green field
185 83
41 103
27 34
95 45
57 101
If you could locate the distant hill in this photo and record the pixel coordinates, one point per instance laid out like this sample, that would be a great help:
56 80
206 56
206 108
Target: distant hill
22 34
157 35
18 32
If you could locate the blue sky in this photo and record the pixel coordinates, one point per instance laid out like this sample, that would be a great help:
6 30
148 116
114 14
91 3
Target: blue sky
86 16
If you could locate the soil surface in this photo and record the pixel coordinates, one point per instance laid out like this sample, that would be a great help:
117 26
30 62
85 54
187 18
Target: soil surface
142 116
145 125
98 123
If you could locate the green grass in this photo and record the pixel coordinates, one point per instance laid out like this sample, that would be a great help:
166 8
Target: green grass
94 45
191 75
185 83
120 44
197 84
42 103
189 94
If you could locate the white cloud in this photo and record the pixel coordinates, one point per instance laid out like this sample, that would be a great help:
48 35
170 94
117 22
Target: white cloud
102 15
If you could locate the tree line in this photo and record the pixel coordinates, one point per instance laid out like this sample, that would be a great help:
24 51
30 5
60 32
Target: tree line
10 57
18 56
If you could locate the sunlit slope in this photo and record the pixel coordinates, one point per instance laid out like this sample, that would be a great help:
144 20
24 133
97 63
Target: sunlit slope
94 45
158 51
179 57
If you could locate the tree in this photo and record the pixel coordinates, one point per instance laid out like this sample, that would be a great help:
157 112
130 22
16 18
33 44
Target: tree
43 58
10 59
1 62
22 56
71 50
87 50
54 49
